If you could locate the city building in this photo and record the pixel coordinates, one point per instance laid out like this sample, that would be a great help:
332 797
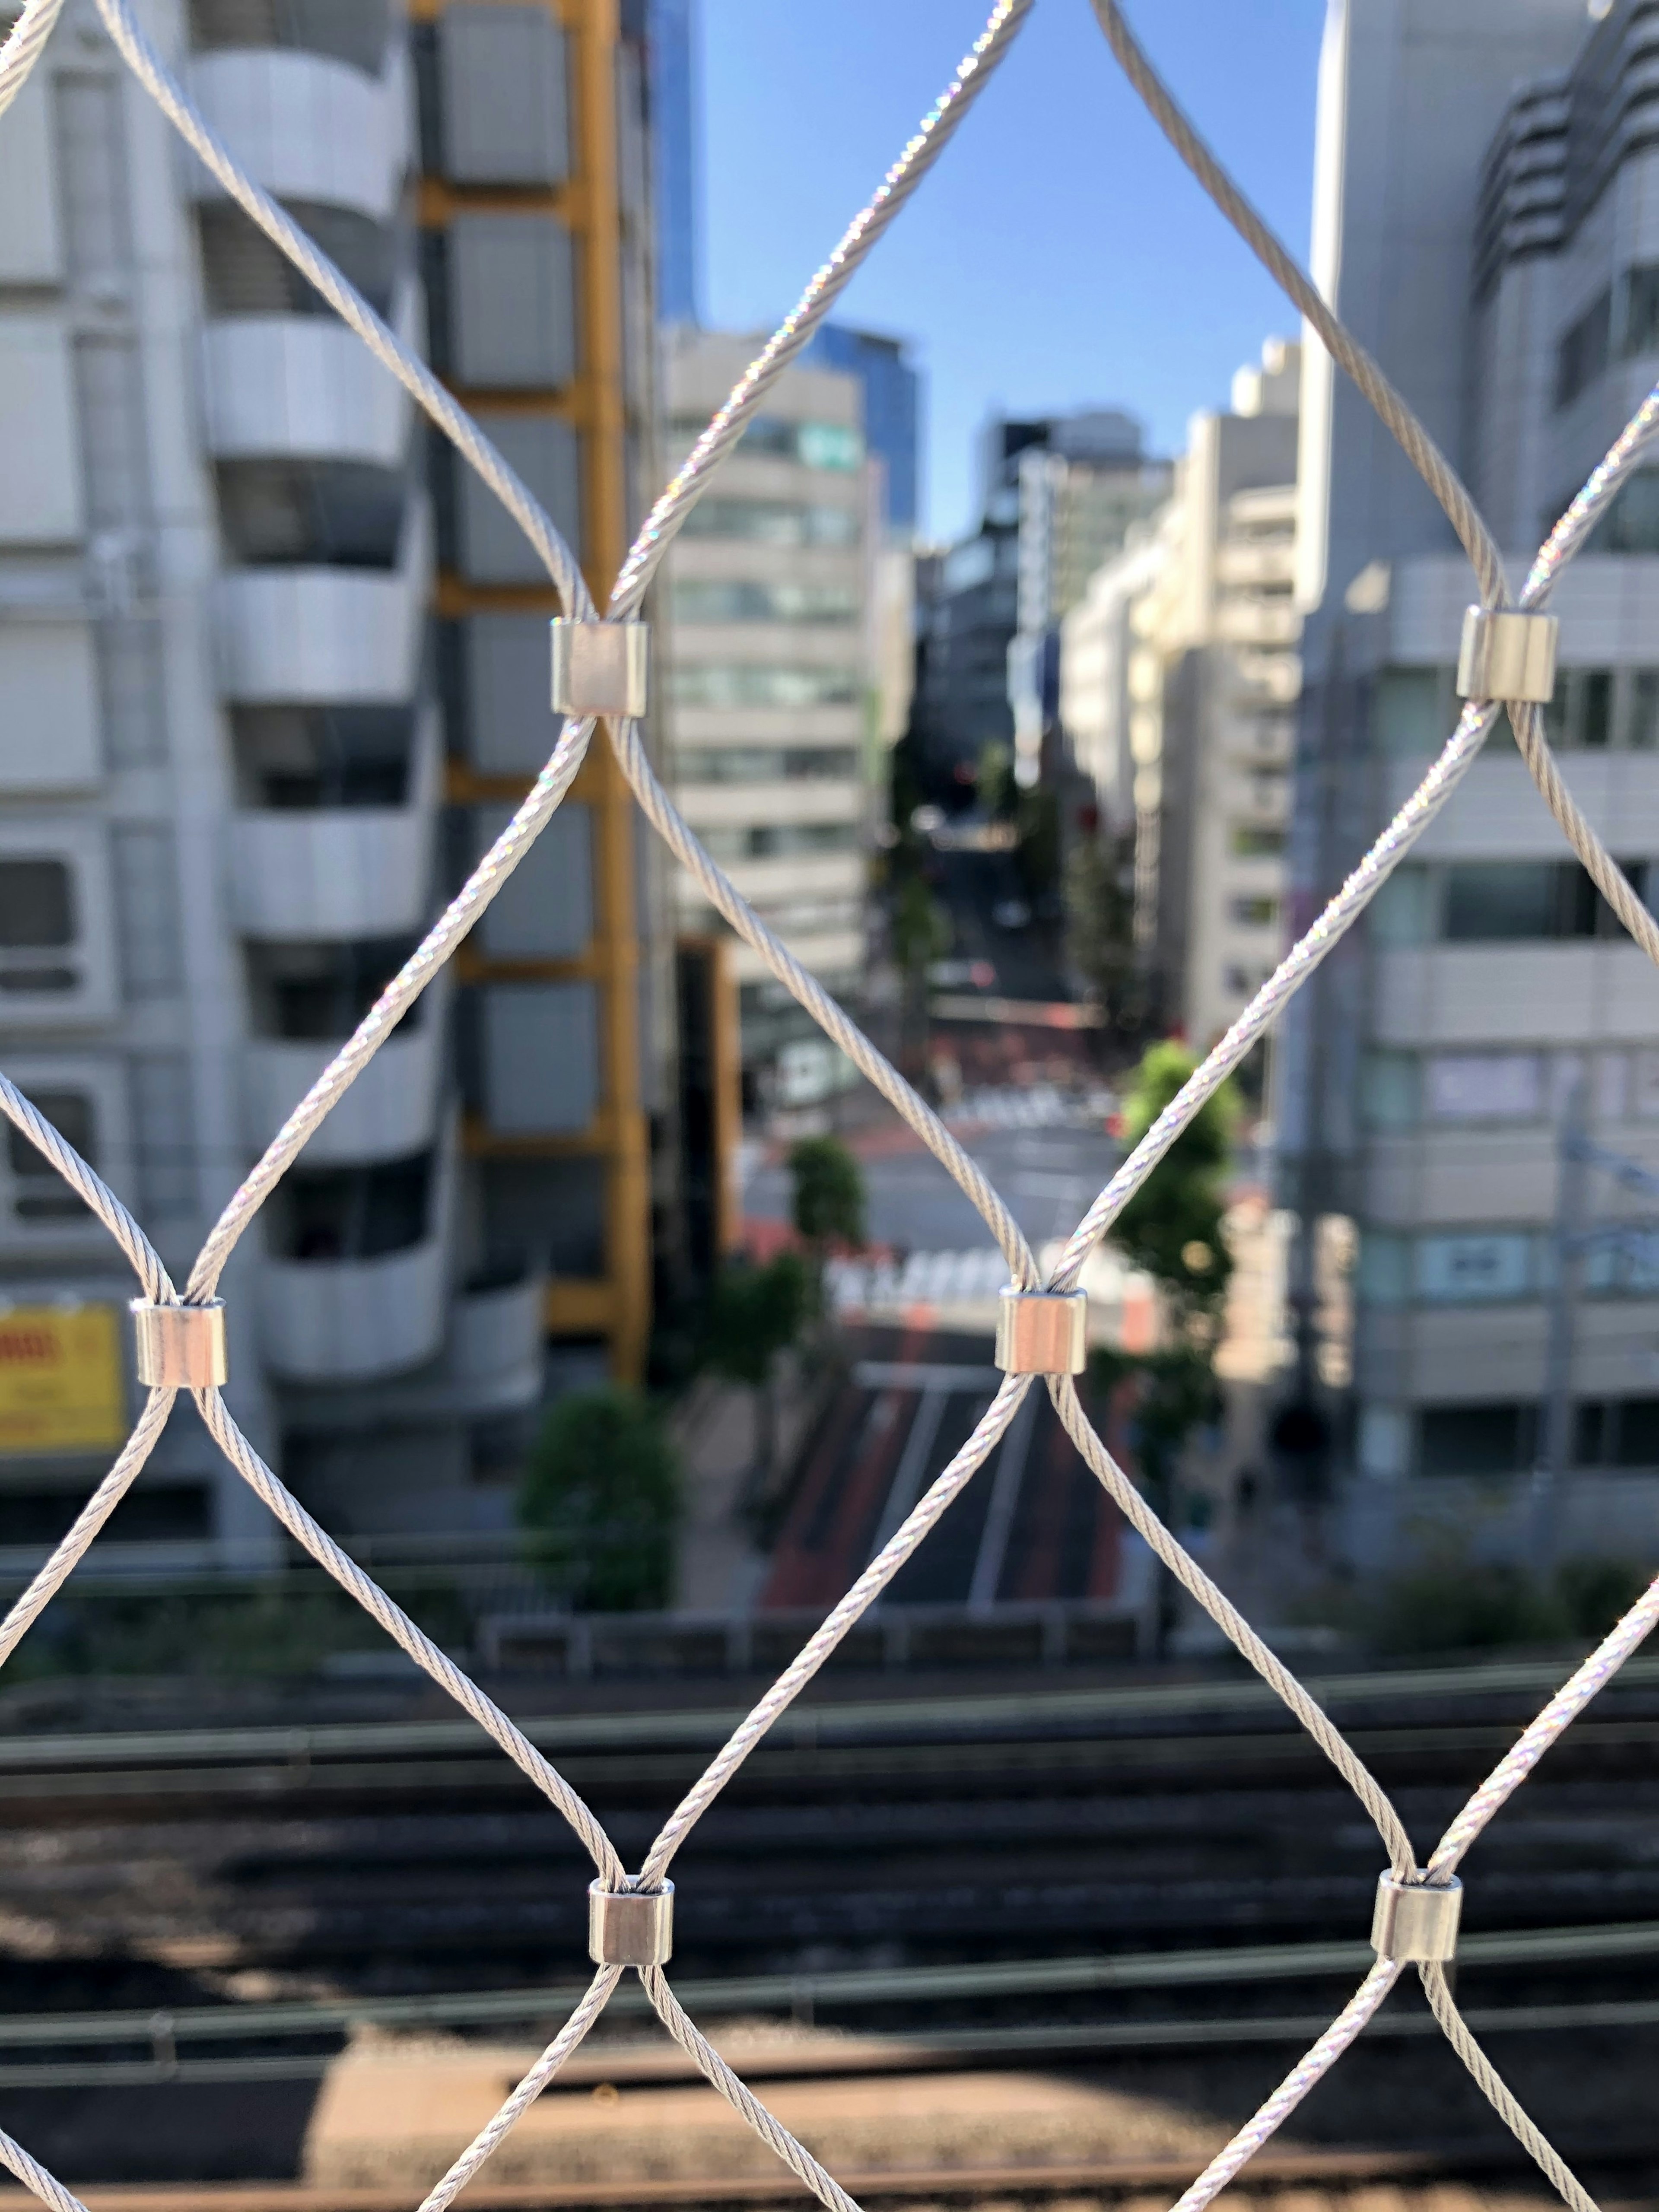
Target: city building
1483 223
771 683
271 672
1058 495
1178 685
672 33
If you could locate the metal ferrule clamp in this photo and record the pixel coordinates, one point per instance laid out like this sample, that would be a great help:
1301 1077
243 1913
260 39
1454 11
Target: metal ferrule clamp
180 1347
601 668
1043 1332
630 1927
1416 1922
1505 655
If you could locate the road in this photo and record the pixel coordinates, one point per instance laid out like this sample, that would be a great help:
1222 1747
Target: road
1047 1176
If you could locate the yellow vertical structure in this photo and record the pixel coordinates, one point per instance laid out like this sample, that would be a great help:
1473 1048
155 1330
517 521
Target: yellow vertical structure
618 1305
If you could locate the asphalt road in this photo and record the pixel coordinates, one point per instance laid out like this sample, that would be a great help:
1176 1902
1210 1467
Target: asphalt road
1046 1176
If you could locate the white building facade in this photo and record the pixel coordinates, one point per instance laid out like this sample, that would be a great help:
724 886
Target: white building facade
770 645
1485 223
222 775
1179 676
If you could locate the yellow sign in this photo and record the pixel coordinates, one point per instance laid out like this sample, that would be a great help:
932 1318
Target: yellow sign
61 1383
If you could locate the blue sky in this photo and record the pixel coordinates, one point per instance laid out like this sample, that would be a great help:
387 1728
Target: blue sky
1060 254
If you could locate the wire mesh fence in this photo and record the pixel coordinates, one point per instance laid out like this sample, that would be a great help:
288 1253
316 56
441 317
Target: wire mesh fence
1416 1918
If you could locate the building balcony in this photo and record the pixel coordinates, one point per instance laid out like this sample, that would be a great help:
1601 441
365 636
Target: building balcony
492 1363
334 636
356 1284
354 1320
339 872
798 799
837 952
304 387
391 1110
306 127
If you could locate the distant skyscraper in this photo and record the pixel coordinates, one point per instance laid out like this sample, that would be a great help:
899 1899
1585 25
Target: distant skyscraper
674 132
891 409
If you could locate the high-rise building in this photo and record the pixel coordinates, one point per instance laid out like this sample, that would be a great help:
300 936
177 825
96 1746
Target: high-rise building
672 34
223 543
772 684
1058 495
1178 682
892 412
1480 225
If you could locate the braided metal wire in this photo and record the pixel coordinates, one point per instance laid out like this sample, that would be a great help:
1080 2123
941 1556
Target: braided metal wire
17 57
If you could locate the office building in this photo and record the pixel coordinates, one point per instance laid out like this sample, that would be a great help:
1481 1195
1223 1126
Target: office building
671 36
771 690
1177 688
232 725
1058 495
1483 223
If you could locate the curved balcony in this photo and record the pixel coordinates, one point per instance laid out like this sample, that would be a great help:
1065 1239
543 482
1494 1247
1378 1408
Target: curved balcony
334 636
354 1320
392 1109
345 871
303 388
306 127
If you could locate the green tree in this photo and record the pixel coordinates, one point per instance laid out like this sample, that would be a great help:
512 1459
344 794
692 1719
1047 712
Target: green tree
755 1315
1172 1228
829 1194
998 794
600 1502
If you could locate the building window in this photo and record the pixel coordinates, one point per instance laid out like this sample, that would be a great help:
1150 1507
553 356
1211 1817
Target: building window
829 446
352 1214
769 765
1616 1432
1480 1268
37 923
772 522
1483 1086
1580 714
1488 1439
39 1191
744 685
778 841
1582 354
1512 902
346 514
318 993
742 600
243 273
1249 842
1254 912
333 756
353 31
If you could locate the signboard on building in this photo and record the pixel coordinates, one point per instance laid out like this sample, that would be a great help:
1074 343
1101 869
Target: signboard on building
62 1387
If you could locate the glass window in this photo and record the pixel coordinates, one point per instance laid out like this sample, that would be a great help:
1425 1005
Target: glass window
1402 911
1635 1425
36 907
1254 912
353 1213
773 522
1249 842
1409 717
1472 1269
40 1192
1500 901
1631 525
769 765
1642 730
1490 1439
1388 1089
1476 1086
1384 1271
1639 311
1582 355
776 840
746 684
744 600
